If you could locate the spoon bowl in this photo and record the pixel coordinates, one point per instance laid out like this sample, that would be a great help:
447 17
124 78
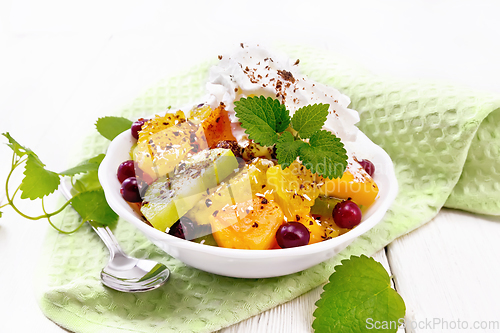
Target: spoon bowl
122 272
128 274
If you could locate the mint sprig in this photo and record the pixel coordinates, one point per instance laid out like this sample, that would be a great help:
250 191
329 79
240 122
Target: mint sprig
38 182
357 297
266 121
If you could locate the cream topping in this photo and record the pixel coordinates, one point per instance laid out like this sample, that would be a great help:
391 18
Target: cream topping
252 70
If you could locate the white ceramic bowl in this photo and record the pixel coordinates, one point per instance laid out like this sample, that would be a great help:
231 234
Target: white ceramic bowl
250 263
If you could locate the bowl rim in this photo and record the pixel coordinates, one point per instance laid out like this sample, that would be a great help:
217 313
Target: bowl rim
109 182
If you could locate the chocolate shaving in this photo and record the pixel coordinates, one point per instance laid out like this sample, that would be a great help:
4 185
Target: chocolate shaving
286 75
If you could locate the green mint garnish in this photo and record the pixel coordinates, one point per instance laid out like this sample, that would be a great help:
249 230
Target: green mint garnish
266 121
288 148
357 297
110 127
263 118
324 155
309 119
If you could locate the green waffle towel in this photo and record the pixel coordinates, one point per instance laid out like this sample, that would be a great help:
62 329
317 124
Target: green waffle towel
444 141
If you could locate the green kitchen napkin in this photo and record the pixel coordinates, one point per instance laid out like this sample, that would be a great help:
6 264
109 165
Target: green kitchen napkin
444 143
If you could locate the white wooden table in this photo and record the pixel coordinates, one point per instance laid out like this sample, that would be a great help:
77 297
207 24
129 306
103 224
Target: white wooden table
62 66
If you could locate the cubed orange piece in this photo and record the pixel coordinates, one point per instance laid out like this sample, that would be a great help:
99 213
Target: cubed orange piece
248 225
362 189
217 127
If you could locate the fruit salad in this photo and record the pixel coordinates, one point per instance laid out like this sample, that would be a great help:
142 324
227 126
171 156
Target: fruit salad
203 174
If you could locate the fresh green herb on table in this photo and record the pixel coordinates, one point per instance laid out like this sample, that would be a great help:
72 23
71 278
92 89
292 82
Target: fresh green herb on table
267 122
359 290
359 298
38 182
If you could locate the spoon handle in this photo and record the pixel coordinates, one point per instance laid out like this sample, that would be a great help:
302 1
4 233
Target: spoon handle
109 240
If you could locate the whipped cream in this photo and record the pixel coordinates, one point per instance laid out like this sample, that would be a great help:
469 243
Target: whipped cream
255 71
252 70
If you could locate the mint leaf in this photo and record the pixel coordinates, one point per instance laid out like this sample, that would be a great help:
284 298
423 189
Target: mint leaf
324 155
85 166
263 118
282 115
93 207
38 182
109 127
16 147
358 294
287 149
78 186
87 182
309 119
